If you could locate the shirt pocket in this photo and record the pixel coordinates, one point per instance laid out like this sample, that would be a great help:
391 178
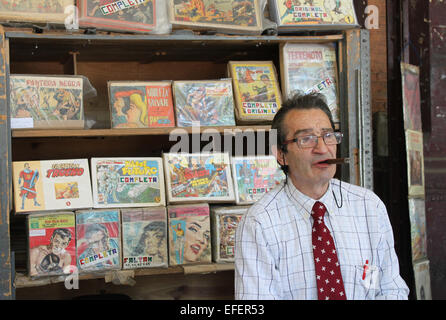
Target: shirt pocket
367 281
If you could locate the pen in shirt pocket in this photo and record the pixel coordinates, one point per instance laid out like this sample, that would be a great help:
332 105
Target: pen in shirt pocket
366 266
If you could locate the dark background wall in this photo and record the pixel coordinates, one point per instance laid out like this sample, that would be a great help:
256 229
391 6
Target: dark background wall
417 35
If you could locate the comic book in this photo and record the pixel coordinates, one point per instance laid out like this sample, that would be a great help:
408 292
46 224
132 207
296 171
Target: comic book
415 162
46 102
311 68
51 244
298 15
224 222
144 237
410 76
37 11
422 280
254 176
189 234
204 103
417 215
198 177
98 240
118 15
220 15
256 90
127 182
51 185
138 104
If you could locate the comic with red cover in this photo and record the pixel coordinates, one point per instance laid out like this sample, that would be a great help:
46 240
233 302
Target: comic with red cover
51 244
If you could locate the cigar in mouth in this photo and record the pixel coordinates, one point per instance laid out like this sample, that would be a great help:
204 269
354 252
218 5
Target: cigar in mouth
337 161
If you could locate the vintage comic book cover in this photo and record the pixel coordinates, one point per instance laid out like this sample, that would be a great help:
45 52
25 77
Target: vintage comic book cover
127 182
254 176
198 177
98 240
37 11
417 215
118 15
144 237
221 15
297 15
415 162
411 97
137 104
256 90
310 68
46 102
422 280
224 222
51 244
189 234
204 103
51 185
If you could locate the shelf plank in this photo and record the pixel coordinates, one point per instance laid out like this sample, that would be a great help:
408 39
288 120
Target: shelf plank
29 35
36 133
23 281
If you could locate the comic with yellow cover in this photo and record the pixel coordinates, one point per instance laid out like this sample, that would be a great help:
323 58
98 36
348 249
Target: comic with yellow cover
256 90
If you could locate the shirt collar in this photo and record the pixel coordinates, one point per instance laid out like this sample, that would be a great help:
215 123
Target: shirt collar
306 203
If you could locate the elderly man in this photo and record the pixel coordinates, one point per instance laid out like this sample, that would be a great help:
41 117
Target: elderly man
313 237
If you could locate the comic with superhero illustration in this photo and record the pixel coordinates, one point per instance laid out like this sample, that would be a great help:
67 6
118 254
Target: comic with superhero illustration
189 234
38 11
256 90
296 15
144 237
192 177
137 104
127 182
204 103
98 240
235 16
51 244
224 222
118 15
51 185
308 68
255 176
46 102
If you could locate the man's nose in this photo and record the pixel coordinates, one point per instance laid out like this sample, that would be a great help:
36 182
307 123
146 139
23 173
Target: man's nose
321 146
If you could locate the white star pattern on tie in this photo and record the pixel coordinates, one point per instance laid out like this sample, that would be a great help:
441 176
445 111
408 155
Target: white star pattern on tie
328 275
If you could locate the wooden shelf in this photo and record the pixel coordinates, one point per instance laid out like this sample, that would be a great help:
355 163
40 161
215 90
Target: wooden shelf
125 276
35 133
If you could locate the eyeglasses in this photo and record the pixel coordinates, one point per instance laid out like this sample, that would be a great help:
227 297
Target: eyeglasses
310 141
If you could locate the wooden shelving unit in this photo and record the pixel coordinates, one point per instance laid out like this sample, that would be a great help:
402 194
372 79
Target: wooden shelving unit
102 57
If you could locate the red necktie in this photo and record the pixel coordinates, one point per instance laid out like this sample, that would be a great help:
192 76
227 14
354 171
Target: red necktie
328 272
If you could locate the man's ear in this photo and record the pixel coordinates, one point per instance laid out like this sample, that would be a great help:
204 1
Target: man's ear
279 154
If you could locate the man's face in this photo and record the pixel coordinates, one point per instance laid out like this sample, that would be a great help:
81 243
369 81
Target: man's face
59 243
305 169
